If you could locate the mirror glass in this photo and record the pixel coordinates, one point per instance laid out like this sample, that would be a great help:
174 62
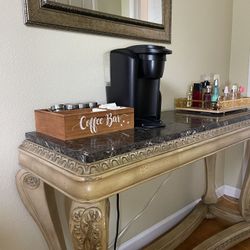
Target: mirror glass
144 10
137 19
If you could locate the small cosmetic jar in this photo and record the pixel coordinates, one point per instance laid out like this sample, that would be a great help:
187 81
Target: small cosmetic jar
71 106
92 105
57 107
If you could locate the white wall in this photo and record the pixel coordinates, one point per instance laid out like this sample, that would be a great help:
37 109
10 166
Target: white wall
39 67
239 65
239 73
200 44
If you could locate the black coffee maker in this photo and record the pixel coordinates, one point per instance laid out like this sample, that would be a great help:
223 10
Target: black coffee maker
135 81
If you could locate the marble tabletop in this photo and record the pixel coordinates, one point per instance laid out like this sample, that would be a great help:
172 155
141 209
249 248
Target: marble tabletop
178 125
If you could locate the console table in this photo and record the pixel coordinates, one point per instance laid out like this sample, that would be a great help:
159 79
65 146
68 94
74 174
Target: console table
90 170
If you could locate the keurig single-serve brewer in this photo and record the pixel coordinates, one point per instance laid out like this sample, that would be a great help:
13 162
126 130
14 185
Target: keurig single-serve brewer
135 74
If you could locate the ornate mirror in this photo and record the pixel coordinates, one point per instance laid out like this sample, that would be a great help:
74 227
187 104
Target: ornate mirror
139 19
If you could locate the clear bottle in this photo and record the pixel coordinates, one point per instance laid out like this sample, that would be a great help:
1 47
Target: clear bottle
226 93
207 98
234 92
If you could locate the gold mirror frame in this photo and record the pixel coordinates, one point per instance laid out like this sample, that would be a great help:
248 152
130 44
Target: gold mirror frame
55 15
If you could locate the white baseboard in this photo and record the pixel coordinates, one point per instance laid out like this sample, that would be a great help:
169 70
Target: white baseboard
158 229
232 191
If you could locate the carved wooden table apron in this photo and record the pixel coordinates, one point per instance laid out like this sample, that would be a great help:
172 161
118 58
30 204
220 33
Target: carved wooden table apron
89 179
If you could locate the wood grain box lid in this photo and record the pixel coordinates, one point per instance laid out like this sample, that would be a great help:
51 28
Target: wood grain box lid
80 123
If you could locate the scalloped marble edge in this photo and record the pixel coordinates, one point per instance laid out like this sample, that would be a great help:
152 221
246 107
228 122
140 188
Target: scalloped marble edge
86 169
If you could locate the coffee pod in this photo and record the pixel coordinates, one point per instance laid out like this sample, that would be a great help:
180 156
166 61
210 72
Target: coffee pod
71 106
92 105
83 105
57 107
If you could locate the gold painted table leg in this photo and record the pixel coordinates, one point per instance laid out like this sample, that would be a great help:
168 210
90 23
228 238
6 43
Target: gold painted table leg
245 190
226 238
210 196
88 224
36 195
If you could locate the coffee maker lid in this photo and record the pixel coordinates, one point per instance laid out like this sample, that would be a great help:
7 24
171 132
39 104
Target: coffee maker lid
149 49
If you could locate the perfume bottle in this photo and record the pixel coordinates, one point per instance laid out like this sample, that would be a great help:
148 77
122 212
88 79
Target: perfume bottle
204 89
226 93
189 97
234 92
215 94
207 98
197 95
241 90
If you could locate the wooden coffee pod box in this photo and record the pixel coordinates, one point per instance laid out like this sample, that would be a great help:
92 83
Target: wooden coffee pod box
80 123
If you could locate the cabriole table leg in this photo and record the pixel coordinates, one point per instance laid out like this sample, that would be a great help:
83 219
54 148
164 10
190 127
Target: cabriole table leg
88 224
39 200
245 190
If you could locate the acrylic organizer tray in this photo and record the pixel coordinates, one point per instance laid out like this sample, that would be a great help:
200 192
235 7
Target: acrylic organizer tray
222 106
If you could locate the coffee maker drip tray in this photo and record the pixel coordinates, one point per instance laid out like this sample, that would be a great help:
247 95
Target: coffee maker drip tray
149 123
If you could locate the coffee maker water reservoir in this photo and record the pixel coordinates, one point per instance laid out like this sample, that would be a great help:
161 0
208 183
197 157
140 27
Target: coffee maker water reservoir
135 81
